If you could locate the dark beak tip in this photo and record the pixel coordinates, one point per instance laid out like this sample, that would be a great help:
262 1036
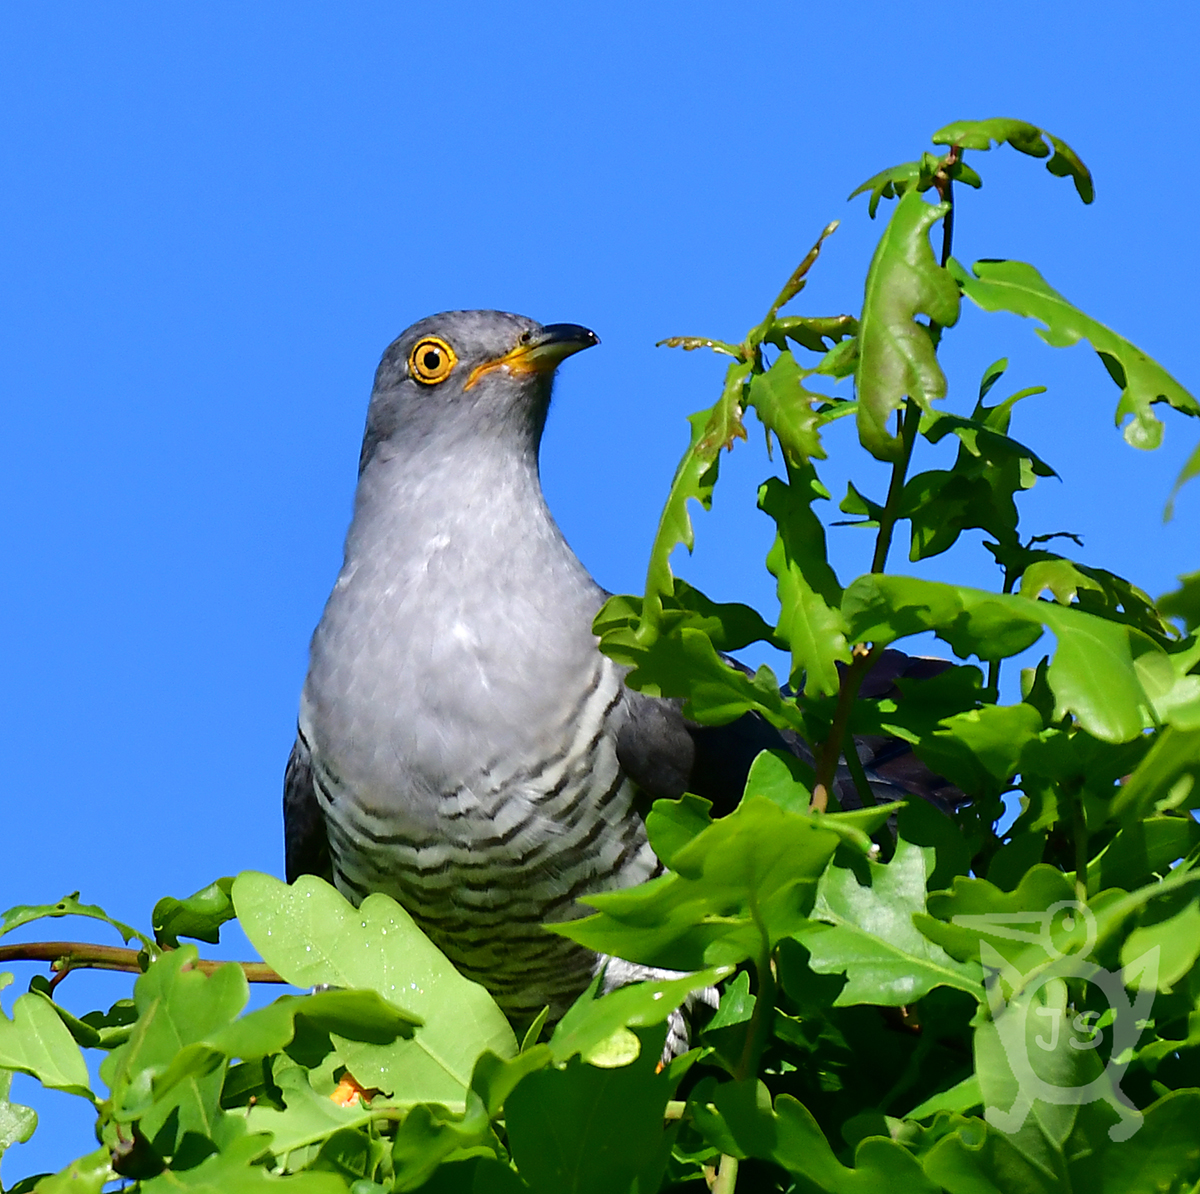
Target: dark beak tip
571 333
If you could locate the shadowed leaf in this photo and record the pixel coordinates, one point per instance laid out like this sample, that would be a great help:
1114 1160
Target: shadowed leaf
896 356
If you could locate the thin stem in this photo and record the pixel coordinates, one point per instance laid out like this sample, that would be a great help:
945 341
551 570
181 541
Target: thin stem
65 956
993 680
760 1020
726 1175
1080 834
910 422
945 189
831 752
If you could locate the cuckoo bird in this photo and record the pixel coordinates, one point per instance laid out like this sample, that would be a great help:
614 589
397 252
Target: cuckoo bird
463 745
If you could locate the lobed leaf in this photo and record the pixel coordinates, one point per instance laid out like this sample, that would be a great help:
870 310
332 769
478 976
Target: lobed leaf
734 890
177 1006
353 1015
786 409
311 935
235 1170
1025 138
867 933
36 1042
810 621
1019 288
694 479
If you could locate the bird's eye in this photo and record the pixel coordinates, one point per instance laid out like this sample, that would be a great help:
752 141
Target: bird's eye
431 360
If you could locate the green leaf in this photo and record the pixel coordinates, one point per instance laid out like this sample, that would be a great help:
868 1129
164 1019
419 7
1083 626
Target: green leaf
312 936
976 1159
1093 590
1011 924
430 1135
36 1042
1189 472
199 916
308 1117
1177 940
671 824
95 1030
495 1077
69 905
234 1171
896 355
739 1119
921 824
786 408
1162 1155
352 1154
961 1097
867 933
87 1175
1183 602
686 664
17 1122
1025 138
735 889
896 181
920 175
1142 851
810 622
1017 287
583 1130
811 332
694 479
980 751
353 1015
978 492
1097 673
177 1006
589 1022
1165 779
780 777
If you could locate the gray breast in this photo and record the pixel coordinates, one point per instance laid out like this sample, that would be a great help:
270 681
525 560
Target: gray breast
502 851
463 739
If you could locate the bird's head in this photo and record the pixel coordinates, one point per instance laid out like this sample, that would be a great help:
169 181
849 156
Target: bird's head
464 376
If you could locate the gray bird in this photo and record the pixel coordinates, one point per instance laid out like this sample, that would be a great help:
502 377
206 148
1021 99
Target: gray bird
463 746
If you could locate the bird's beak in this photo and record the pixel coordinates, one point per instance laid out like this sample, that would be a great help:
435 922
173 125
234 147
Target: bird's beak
541 353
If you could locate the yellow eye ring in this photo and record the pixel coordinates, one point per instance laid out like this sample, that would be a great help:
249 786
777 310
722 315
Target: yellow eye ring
431 360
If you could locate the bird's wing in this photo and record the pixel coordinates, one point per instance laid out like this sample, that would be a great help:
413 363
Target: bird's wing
306 843
666 755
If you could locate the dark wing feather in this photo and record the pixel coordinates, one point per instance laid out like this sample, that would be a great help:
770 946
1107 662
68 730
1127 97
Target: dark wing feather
306 843
667 755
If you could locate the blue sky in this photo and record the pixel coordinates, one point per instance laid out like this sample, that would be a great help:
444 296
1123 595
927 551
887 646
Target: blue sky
215 218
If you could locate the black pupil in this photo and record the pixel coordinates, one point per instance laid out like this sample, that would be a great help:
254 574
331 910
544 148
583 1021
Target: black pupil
432 360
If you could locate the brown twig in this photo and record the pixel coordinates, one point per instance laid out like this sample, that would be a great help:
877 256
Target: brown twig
65 956
831 752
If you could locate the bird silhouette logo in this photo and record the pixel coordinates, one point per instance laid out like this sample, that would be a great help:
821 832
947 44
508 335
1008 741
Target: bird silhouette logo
1032 1010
